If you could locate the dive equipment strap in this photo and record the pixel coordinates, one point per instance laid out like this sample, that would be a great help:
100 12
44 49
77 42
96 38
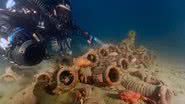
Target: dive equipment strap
12 36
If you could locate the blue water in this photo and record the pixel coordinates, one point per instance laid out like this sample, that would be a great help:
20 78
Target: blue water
160 24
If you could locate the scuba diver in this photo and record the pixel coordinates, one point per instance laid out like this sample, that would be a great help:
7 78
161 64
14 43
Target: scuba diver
30 30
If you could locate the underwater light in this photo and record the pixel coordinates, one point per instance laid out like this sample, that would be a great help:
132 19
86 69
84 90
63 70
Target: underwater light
98 41
4 43
10 3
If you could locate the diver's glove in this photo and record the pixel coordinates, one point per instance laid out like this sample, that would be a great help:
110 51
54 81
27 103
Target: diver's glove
93 39
90 40
89 37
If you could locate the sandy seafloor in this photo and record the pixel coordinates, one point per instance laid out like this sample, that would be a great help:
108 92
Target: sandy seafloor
171 74
165 17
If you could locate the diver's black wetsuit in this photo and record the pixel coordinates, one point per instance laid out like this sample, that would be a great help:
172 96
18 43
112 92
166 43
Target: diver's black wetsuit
27 29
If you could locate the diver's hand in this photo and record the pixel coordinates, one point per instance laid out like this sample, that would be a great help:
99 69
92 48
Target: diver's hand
89 37
90 41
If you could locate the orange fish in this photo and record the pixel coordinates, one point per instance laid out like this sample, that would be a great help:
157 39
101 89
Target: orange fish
82 62
130 96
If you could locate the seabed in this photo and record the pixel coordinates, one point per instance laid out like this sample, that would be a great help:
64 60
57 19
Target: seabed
112 74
